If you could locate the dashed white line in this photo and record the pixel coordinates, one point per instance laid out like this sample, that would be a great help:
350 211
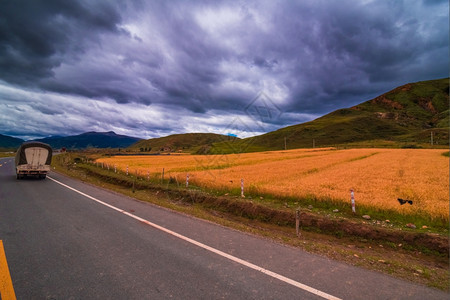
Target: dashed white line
206 247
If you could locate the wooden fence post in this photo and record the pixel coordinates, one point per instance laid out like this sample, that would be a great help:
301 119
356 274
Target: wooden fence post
352 196
297 222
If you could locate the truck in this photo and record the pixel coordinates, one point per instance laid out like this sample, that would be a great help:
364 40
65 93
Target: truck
33 159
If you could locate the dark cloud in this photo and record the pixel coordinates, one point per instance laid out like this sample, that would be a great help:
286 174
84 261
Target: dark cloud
36 37
211 59
47 110
263 63
349 52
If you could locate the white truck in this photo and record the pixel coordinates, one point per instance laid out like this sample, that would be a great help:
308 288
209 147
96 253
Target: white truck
33 159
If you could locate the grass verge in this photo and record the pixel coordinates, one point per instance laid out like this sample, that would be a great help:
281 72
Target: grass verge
7 154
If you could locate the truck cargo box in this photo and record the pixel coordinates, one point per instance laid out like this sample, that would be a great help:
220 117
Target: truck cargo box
33 159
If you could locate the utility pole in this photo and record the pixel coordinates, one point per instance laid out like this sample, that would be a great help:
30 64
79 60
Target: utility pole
432 138
285 148
314 143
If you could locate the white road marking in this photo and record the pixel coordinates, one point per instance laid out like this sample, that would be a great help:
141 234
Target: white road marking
206 247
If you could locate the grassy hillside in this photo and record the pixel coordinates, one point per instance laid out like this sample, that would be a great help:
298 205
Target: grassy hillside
189 142
404 117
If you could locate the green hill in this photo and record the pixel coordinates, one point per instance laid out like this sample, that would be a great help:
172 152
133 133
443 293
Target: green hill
404 117
189 142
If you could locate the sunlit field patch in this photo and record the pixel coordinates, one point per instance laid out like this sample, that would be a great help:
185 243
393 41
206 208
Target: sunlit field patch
377 176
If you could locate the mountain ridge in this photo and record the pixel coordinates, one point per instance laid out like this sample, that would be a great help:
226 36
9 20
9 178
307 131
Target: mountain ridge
91 139
9 142
406 114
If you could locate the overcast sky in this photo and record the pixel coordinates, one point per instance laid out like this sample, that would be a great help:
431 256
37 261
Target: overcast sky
154 68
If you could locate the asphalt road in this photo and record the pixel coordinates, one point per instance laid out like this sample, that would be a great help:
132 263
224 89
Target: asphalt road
65 239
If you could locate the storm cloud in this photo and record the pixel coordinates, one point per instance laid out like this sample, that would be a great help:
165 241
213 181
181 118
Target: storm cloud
153 68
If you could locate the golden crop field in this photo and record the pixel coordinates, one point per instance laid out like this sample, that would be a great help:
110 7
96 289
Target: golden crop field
377 176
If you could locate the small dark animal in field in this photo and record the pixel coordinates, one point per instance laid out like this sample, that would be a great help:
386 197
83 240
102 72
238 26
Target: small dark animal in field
404 201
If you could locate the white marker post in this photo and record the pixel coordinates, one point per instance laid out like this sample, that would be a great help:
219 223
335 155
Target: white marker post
148 175
115 169
242 188
127 170
187 180
352 195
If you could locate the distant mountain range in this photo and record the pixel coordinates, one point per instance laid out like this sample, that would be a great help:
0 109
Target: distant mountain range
91 140
9 142
413 114
81 141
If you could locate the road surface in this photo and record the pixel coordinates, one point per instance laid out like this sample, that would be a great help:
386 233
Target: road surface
64 239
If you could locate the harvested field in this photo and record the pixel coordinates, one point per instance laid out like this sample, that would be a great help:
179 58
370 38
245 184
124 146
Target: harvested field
378 176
